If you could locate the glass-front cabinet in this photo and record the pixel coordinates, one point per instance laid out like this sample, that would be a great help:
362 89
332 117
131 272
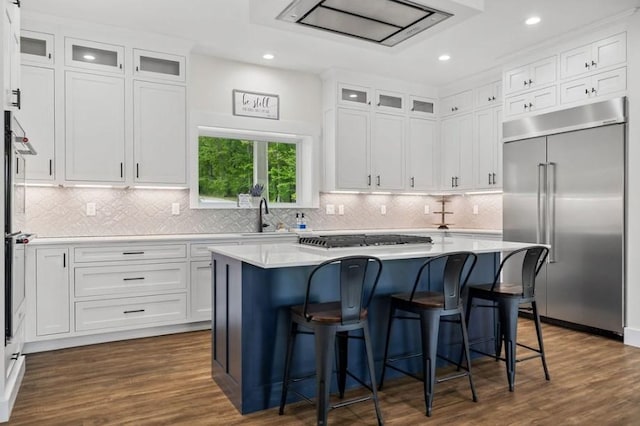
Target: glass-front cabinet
354 96
94 56
36 48
158 65
389 102
422 107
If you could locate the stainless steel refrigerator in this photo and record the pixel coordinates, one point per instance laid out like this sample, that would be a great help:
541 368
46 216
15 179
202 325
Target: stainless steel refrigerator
564 185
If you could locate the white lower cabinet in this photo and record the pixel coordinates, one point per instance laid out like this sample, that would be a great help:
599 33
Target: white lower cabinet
129 312
52 291
200 290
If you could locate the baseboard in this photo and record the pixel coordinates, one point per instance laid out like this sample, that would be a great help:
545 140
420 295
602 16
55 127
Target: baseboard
12 386
632 337
92 339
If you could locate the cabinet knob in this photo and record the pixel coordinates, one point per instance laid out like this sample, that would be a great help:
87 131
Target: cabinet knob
593 63
413 181
493 98
525 82
368 180
378 104
530 82
586 91
489 98
593 90
586 64
378 180
526 106
530 105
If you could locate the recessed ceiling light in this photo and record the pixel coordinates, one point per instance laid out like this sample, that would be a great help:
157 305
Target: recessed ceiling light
533 20
444 57
268 56
89 57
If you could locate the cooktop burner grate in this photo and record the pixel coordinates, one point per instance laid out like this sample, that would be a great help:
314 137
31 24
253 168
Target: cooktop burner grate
362 240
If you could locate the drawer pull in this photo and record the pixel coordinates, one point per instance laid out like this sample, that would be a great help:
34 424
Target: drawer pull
134 311
133 279
133 252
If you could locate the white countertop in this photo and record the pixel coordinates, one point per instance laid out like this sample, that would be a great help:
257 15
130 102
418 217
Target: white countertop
292 254
131 239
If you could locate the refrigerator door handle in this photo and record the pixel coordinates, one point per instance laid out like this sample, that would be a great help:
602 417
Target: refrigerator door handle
541 206
551 212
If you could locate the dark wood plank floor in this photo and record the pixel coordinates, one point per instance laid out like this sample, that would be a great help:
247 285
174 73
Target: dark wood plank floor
166 380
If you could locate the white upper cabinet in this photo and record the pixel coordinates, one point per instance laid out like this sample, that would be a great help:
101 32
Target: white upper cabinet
11 54
354 96
457 103
94 56
38 116
95 122
389 102
352 149
488 148
36 48
593 86
530 76
457 152
159 133
422 155
156 65
422 107
594 56
488 95
387 152
532 101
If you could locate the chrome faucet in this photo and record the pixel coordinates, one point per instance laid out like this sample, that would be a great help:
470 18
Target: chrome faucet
262 225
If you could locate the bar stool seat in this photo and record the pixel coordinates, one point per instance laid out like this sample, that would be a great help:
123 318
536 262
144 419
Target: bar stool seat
508 298
430 308
332 324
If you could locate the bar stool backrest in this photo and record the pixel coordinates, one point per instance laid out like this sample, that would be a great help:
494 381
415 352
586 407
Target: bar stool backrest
352 280
452 280
532 262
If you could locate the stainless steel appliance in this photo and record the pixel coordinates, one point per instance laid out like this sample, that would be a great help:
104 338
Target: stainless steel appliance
564 185
15 144
362 240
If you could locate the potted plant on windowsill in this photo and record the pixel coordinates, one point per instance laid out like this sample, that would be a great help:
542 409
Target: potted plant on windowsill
256 194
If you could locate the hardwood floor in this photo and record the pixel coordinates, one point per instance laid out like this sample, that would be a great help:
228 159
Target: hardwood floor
166 380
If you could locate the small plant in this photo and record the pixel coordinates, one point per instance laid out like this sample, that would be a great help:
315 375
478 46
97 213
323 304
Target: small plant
256 190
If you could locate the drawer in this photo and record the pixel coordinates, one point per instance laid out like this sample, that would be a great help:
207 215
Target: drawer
130 312
200 249
128 279
129 252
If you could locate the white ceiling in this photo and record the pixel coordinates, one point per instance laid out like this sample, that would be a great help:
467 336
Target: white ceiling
243 30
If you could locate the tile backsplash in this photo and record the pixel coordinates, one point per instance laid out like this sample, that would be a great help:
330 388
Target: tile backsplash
61 212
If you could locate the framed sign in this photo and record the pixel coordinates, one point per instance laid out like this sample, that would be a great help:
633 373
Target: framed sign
252 104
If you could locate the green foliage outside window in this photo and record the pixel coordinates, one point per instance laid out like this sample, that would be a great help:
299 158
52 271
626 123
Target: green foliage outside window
226 169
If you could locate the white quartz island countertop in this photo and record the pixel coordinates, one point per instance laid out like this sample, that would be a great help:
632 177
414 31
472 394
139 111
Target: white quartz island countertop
292 254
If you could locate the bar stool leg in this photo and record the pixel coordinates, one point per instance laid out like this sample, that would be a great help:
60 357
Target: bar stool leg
291 340
509 325
465 346
372 371
325 343
429 325
392 312
342 340
536 318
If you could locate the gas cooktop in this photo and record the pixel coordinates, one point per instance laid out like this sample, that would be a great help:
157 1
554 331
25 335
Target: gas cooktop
362 240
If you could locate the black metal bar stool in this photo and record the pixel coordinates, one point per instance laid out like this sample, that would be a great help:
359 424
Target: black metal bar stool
508 298
334 321
429 307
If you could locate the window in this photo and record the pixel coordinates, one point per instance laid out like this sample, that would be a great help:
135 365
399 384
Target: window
228 167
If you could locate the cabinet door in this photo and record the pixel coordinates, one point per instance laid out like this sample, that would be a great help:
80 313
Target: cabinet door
447 105
352 150
543 72
201 290
389 102
159 133
497 166
52 291
158 65
609 82
422 107
464 128
36 48
450 146
11 54
542 99
464 101
387 152
94 110
421 154
488 95
37 115
516 79
93 55
485 133
516 105
575 90
575 61
610 51
354 96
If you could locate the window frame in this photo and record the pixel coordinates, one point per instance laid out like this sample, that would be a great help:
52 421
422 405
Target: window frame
302 134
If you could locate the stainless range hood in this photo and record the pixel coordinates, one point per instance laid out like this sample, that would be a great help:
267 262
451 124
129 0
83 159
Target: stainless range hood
384 22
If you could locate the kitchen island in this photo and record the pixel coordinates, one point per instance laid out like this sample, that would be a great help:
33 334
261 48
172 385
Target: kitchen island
255 285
